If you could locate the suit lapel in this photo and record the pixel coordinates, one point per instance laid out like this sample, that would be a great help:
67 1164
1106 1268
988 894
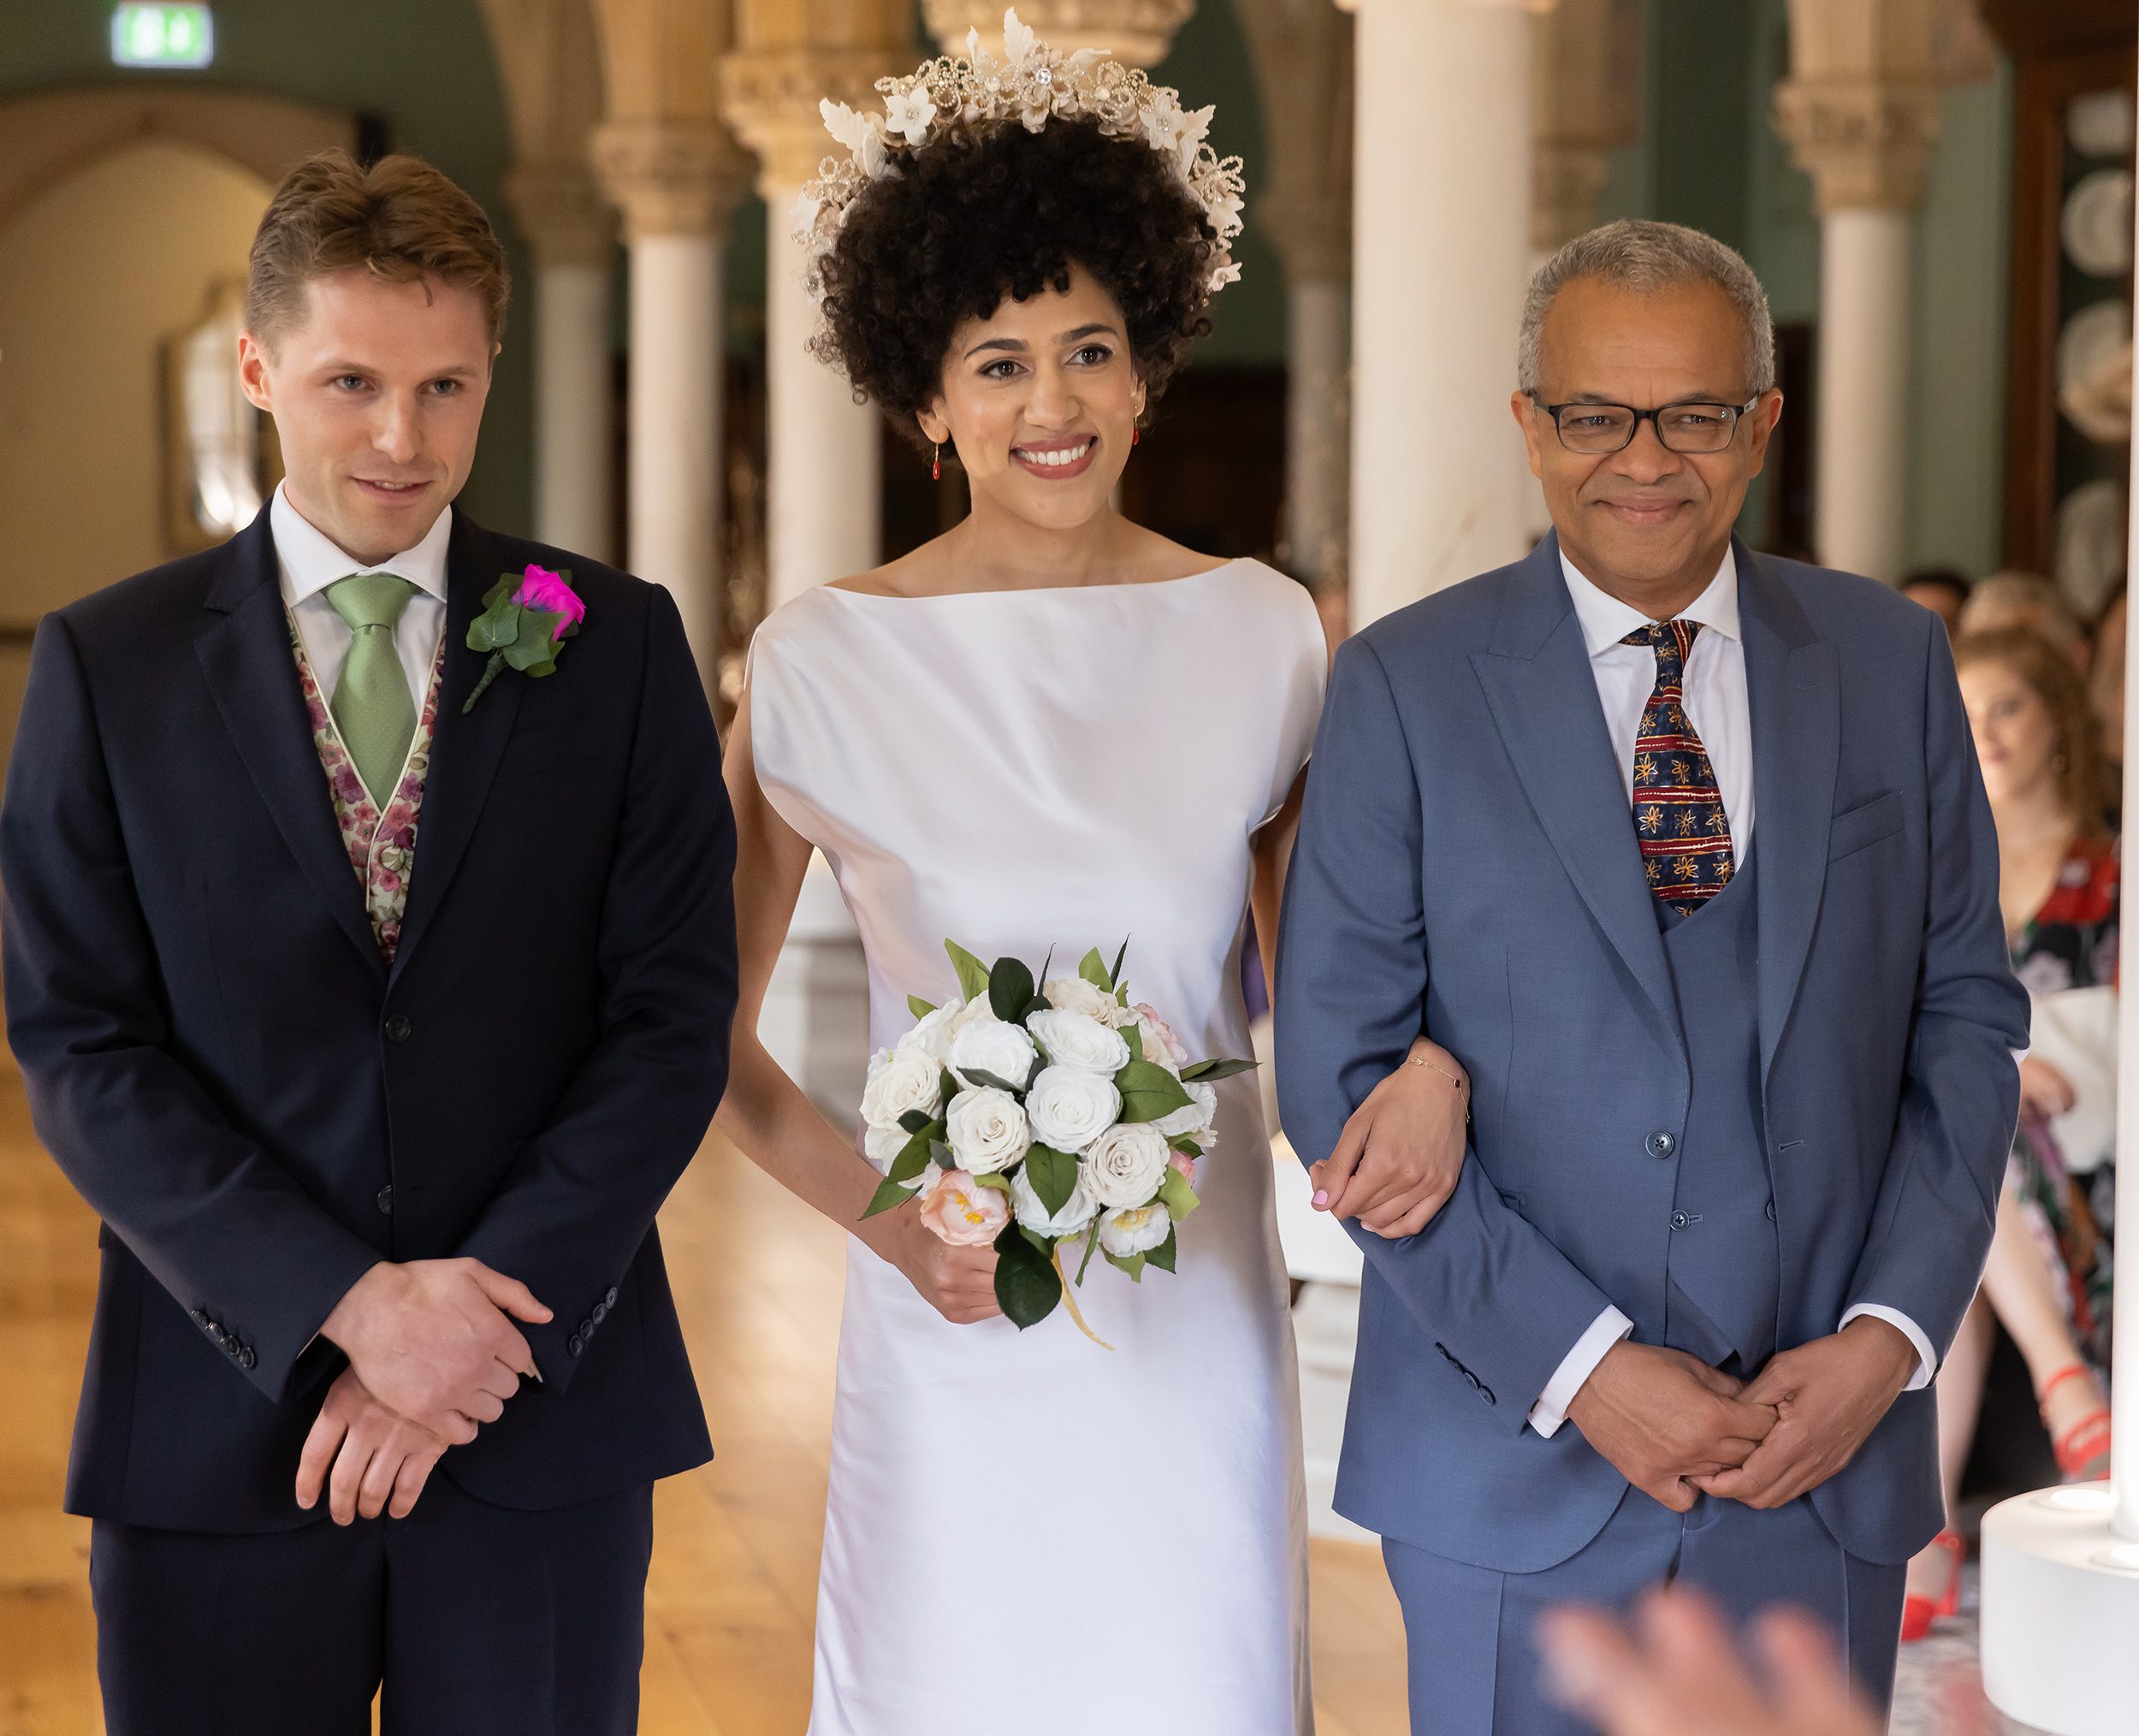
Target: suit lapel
245 653
465 748
1793 686
1543 696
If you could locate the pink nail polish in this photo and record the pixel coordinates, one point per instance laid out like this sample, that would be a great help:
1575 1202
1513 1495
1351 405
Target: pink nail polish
1322 1196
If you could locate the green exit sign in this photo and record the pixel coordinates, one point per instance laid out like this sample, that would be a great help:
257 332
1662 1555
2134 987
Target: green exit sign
163 36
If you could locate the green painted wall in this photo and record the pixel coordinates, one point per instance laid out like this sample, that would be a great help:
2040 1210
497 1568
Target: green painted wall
1709 157
423 66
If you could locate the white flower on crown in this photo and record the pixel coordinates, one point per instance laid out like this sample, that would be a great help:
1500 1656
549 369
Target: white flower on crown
1032 84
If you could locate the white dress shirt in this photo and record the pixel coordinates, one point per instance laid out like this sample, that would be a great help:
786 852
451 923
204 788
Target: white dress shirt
310 561
1722 715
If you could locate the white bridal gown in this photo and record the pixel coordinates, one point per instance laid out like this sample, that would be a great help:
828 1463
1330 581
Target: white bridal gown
1027 1532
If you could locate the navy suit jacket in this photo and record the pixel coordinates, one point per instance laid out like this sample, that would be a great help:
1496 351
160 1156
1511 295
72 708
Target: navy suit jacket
222 1061
1468 866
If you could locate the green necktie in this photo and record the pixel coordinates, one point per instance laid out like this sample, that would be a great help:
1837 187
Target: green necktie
371 705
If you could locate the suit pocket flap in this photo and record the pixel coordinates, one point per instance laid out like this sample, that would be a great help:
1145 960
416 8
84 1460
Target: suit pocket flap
1864 825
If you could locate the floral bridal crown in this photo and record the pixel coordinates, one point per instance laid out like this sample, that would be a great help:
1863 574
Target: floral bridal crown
1032 84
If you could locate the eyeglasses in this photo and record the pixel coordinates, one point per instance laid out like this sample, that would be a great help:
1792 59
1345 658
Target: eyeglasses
1597 430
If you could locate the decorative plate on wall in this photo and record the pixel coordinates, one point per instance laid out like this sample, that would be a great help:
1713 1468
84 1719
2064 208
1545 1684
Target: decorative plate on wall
2099 123
2095 343
2097 223
2090 544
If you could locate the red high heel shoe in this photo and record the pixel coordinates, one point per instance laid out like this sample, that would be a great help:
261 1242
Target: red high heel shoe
2085 1442
1918 1613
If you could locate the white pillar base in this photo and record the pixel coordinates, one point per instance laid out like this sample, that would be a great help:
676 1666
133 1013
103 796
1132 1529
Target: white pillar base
1861 494
824 457
815 1019
2061 1613
573 413
1316 440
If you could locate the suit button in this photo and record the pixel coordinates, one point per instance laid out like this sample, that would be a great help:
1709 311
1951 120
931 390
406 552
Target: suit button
610 1300
247 1360
216 1332
384 1200
600 1313
1679 1220
1771 1211
398 1028
1662 1143
575 1344
198 1316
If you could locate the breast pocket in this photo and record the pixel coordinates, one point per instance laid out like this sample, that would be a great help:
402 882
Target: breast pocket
1869 823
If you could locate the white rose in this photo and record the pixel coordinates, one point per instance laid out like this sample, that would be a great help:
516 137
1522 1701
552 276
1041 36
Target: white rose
901 1080
989 1045
1194 1118
1135 1230
1070 1108
1076 1212
932 1036
1073 1039
882 1144
985 1131
1126 1164
1073 994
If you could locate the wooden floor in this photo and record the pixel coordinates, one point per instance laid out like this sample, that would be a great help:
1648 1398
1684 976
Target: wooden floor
735 1562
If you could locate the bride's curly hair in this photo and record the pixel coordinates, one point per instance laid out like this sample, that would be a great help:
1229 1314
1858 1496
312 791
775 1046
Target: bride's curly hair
970 221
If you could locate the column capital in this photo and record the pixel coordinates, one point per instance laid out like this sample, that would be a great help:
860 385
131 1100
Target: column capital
1586 78
770 97
560 208
671 177
1137 32
1865 144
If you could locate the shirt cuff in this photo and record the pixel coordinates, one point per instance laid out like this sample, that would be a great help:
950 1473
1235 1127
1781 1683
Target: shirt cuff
1927 1363
1551 1408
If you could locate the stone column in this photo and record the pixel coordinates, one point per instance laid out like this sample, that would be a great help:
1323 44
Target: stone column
1860 111
572 232
1303 53
1440 265
678 183
1586 103
1137 32
824 467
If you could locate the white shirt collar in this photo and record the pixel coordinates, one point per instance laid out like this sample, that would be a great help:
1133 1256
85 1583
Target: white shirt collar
311 560
1606 621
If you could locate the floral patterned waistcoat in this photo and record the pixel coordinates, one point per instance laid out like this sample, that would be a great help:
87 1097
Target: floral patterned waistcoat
381 846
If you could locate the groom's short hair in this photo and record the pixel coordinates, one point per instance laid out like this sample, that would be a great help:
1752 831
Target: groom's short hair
398 219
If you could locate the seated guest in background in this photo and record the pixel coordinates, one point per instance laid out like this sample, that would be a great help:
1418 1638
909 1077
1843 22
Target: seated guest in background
1675 1670
1940 589
2030 601
2047 1279
2105 689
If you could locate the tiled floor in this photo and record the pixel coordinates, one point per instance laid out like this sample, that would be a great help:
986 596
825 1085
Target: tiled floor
1939 1691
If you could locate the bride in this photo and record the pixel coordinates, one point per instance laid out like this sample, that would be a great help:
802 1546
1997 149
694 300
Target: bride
1046 729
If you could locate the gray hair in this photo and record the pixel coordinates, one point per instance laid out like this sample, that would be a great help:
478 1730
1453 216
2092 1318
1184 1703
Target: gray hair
1643 256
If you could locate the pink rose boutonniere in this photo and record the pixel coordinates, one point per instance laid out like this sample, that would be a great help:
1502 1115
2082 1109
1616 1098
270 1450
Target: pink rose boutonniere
524 623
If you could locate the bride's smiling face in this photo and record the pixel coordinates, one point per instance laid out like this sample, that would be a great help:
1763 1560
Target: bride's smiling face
1040 401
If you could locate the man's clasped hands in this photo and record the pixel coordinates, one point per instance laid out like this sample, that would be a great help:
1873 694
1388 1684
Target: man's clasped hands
434 1354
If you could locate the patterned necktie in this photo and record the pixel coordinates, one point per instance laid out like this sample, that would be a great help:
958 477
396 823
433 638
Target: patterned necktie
372 707
1685 836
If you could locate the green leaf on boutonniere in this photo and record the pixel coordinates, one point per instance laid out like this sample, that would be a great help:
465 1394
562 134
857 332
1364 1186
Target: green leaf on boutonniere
1009 989
1177 1195
1053 1175
1026 1287
1092 968
1209 1072
1149 1092
1133 1265
918 1007
1163 1255
972 975
516 634
888 1194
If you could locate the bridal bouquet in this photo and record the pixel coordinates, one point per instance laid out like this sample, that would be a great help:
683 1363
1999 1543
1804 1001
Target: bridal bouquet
1028 1116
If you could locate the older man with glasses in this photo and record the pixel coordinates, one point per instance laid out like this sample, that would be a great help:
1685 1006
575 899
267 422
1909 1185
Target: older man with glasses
1683 851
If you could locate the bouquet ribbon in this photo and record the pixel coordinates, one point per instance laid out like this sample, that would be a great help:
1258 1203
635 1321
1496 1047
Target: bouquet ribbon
1069 1300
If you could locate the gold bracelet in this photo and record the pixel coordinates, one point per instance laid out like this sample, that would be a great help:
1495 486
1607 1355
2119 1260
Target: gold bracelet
1422 1060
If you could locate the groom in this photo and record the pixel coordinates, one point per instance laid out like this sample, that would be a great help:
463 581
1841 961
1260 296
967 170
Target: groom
1683 851
375 1028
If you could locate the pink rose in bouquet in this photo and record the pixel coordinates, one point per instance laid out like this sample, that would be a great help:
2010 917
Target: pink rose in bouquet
962 1212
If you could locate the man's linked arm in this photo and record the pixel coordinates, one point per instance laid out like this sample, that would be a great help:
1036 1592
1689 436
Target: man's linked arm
1499 1299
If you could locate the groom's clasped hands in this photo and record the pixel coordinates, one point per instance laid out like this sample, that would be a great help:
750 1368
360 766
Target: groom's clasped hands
433 1354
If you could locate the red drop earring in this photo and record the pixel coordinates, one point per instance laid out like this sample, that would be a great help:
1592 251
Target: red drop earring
935 467
1135 435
